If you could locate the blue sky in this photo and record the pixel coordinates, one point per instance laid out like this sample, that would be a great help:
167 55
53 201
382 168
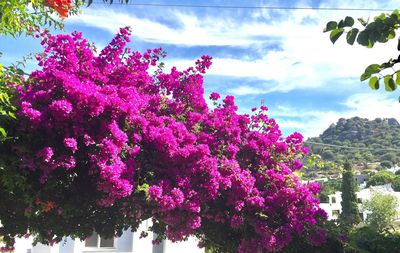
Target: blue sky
278 56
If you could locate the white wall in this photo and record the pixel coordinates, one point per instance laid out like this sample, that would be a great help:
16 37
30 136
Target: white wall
183 247
40 248
22 245
129 242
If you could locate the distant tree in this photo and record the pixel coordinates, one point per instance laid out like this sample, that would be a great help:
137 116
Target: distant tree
382 212
350 215
381 178
386 164
328 154
367 240
392 157
396 183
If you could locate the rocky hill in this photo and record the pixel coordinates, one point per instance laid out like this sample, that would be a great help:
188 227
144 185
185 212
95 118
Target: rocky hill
360 141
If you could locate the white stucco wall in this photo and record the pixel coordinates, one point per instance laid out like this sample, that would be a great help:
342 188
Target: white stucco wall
22 245
129 242
189 246
40 248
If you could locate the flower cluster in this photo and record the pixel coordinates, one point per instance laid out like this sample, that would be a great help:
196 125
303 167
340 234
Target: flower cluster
62 7
6 249
149 146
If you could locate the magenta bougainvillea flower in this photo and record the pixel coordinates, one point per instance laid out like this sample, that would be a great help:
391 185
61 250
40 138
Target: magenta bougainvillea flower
148 144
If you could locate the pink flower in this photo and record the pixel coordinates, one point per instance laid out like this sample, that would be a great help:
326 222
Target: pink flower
214 96
46 153
71 144
314 187
60 109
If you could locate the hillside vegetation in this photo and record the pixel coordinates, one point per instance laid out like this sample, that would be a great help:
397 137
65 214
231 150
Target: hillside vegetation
369 144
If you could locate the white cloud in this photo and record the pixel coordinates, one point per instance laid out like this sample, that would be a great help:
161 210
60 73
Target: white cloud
305 59
245 90
313 122
189 29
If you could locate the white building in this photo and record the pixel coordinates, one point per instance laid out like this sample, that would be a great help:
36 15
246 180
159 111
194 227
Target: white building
129 242
334 208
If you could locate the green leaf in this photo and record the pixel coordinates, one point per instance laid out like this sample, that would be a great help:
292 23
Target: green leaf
362 38
335 34
398 77
369 71
391 35
364 77
390 85
12 115
331 25
348 21
371 43
351 36
341 24
3 132
373 69
387 65
390 21
382 16
372 26
374 83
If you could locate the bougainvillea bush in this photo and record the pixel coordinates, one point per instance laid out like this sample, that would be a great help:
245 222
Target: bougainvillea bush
109 139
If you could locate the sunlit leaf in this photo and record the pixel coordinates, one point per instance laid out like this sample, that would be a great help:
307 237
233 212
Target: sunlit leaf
369 71
3 132
374 83
390 85
335 34
398 78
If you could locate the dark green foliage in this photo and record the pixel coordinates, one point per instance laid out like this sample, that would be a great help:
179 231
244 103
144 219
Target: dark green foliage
381 178
333 243
8 75
385 177
396 183
350 214
368 240
328 155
